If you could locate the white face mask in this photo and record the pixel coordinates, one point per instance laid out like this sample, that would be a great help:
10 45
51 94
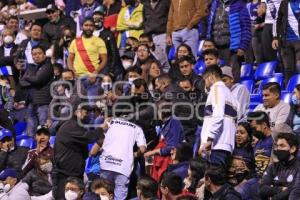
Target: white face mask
71 195
106 86
130 80
47 168
6 187
126 64
104 197
8 39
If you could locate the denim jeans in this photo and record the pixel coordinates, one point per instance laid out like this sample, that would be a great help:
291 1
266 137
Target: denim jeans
121 183
189 37
36 115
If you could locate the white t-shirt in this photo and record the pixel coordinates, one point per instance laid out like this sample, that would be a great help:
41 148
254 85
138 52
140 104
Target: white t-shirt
272 10
118 145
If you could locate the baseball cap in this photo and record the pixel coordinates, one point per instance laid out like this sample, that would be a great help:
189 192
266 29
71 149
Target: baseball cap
9 172
99 10
51 8
5 133
227 71
128 55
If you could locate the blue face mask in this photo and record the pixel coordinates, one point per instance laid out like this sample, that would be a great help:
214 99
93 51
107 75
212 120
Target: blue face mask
295 101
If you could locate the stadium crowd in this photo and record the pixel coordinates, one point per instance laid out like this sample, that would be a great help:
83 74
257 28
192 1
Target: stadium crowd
149 99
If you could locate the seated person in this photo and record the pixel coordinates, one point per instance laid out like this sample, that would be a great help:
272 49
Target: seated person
132 73
211 57
195 174
74 189
280 177
277 110
146 188
11 155
102 188
171 186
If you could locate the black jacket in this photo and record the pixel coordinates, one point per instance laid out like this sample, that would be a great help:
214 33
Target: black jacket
282 21
53 31
279 175
38 184
226 192
114 65
22 47
155 20
71 147
12 52
37 81
14 159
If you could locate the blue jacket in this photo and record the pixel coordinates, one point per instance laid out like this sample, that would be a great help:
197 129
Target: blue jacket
181 169
239 24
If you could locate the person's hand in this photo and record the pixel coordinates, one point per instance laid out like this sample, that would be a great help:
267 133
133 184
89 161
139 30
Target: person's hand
206 147
169 40
240 52
11 181
275 44
148 154
48 123
105 125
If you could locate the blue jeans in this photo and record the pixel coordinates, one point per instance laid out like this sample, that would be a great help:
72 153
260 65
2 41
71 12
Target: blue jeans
121 183
189 37
36 115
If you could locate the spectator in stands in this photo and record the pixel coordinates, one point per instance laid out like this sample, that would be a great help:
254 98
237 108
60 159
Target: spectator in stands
294 117
195 174
215 182
143 55
42 137
93 58
37 80
127 59
280 177
130 25
11 156
113 66
146 189
103 188
57 70
11 188
231 42
117 158
92 87
171 186
111 12
180 156
73 189
208 44
182 20
131 44
239 91
70 136
13 25
132 73
218 131
158 53
155 20
39 178
288 34
53 29
151 70
211 57
277 110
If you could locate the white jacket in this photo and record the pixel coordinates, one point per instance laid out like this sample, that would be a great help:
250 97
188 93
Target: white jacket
220 116
18 192
241 94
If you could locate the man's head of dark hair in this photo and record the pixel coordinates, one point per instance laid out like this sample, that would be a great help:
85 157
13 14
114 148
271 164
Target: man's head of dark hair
213 70
13 17
76 181
39 47
188 59
184 152
291 139
148 187
138 83
259 117
173 182
216 174
187 197
213 52
135 69
36 24
273 87
90 19
103 183
148 36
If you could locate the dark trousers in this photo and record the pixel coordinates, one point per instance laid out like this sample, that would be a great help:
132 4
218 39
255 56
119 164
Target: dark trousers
290 53
269 54
256 45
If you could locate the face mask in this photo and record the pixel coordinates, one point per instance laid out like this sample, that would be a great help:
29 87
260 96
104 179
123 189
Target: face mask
104 197
6 187
295 101
130 80
71 195
259 135
47 168
106 86
126 64
137 99
240 176
282 155
72 82
8 39
98 25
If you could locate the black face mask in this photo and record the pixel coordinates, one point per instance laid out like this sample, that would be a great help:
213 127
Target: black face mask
98 25
259 135
72 82
282 155
56 78
238 178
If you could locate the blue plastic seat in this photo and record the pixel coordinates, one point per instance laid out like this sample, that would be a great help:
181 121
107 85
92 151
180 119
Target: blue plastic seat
265 70
253 105
20 127
255 98
246 71
294 80
172 53
29 142
286 97
276 79
199 67
249 84
52 140
200 45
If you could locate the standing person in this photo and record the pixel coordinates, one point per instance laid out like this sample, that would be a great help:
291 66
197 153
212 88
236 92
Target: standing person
88 53
71 149
229 26
117 158
220 113
287 28
184 15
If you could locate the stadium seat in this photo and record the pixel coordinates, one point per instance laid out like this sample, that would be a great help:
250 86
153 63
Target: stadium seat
294 80
286 97
199 67
52 141
277 79
246 71
172 53
88 163
29 142
252 106
22 136
265 70
199 52
249 84
255 98
20 127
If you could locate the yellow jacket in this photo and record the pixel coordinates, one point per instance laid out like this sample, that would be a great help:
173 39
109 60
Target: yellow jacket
131 25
